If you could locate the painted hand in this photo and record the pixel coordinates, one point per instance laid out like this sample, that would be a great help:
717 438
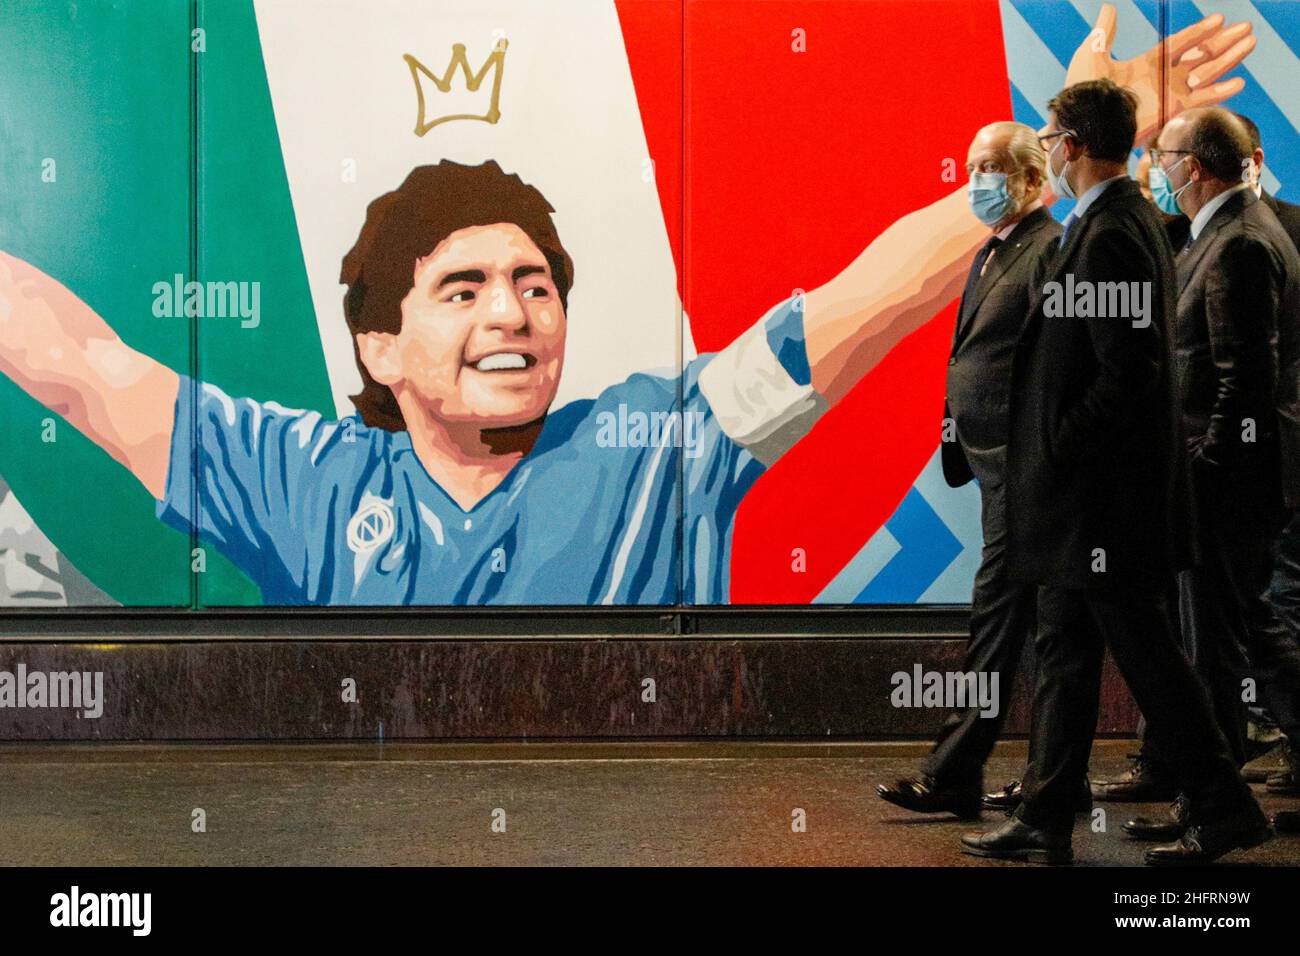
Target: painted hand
1194 58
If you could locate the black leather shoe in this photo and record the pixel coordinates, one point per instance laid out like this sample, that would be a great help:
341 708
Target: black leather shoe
1261 768
1286 779
1016 840
1207 842
1262 739
1007 799
1141 783
1012 795
920 795
1287 821
1283 782
1171 827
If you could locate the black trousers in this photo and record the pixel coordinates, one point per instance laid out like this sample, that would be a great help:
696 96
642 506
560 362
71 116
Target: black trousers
1001 621
1074 629
1284 591
1231 627
1234 605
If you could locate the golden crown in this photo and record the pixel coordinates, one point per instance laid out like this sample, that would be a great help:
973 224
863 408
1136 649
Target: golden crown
495 64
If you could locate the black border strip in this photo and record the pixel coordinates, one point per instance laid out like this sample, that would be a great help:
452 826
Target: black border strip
295 623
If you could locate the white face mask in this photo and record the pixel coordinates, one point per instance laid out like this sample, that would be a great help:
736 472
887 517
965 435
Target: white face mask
1060 185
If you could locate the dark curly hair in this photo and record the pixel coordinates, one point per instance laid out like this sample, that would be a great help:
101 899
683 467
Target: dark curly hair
404 226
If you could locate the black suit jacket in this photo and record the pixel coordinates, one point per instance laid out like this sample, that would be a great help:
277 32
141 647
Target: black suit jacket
979 364
1178 229
1288 214
1095 454
1237 347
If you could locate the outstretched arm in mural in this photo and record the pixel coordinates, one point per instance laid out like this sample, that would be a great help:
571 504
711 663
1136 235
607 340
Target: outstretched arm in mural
65 356
1193 59
917 266
906 275
56 348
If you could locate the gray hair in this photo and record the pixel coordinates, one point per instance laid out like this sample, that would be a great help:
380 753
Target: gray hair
1022 146
1026 149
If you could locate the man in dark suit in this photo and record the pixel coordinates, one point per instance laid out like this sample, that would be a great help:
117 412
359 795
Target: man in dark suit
1284 591
1005 163
1288 213
1237 344
1096 494
1145 781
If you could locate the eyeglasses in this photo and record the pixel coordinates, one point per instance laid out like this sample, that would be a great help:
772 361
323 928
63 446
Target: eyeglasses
1045 139
1156 154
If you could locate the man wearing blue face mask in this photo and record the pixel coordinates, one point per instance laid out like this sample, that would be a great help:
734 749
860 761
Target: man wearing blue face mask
1163 193
1177 226
1006 167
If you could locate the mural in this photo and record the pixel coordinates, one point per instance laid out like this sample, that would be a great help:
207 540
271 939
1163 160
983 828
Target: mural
32 572
608 302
